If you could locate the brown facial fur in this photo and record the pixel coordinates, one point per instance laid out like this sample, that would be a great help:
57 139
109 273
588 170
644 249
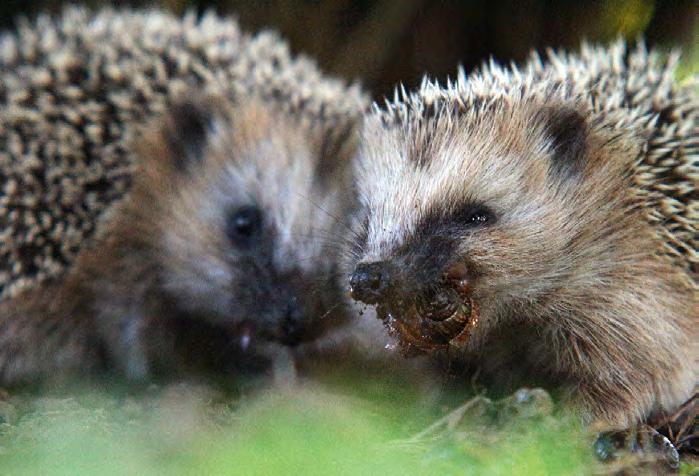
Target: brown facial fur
569 268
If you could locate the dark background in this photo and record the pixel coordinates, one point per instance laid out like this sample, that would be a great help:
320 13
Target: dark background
384 42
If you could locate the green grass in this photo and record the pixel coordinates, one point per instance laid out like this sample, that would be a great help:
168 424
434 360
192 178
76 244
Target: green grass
184 430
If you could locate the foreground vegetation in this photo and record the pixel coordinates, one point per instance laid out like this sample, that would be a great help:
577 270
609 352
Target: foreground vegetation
185 429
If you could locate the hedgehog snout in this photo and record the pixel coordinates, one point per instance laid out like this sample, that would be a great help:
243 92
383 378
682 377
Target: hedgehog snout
371 283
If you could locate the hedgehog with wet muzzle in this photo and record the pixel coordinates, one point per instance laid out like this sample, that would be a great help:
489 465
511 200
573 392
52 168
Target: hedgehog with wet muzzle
171 189
540 224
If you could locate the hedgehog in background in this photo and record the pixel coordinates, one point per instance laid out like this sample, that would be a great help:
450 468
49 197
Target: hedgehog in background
541 224
218 225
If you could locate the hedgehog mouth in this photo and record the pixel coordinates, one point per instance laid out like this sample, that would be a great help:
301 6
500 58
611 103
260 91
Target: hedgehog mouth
442 316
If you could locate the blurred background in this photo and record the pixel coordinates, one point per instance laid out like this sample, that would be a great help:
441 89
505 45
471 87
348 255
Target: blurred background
383 42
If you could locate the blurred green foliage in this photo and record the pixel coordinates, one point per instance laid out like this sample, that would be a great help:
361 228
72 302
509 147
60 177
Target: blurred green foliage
689 63
184 431
627 18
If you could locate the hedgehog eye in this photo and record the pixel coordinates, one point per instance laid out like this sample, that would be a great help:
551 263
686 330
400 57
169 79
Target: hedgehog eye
243 225
478 216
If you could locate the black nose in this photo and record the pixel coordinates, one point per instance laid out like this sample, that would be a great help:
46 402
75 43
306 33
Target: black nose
370 282
292 328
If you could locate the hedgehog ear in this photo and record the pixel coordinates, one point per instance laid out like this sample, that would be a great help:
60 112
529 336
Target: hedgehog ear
186 131
567 130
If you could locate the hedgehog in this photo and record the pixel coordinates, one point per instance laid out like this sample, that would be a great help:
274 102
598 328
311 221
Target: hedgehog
539 224
171 190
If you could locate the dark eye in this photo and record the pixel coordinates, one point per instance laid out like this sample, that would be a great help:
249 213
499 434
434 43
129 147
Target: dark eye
478 216
243 225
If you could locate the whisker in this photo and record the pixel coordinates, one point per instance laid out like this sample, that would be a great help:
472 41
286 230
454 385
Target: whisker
334 217
327 313
326 236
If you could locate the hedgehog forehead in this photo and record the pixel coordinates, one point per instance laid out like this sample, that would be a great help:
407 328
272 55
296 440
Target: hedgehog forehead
408 173
271 166
275 171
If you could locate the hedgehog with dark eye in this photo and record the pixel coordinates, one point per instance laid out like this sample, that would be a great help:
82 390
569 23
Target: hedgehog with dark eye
157 177
541 224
